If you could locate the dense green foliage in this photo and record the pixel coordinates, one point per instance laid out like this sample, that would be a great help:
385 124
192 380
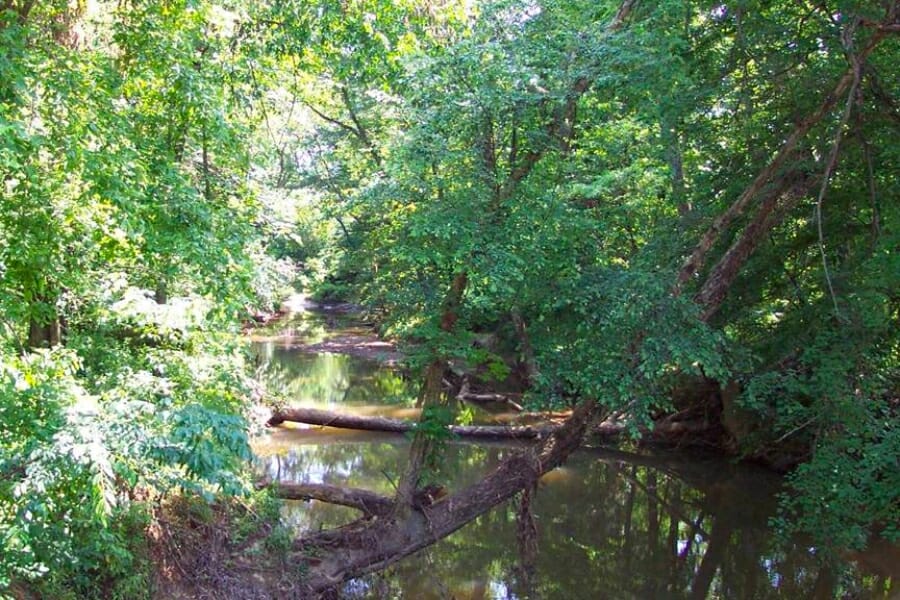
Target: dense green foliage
566 170
122 171
539 170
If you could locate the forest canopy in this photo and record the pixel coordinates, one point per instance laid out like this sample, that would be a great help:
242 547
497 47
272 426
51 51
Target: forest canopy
662 210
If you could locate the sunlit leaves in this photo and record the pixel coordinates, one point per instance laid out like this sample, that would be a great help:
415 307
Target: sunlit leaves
154 414
122 165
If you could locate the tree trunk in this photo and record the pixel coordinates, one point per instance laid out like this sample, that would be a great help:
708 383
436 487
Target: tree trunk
432 396
672 145
67 28
528 359
527 543
44 335
465 395
769 215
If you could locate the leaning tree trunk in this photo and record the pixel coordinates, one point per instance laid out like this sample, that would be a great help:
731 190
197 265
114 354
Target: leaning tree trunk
791 189
432 396
694 263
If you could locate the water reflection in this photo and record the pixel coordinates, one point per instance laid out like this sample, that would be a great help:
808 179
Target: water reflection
330 381
661 529
610 524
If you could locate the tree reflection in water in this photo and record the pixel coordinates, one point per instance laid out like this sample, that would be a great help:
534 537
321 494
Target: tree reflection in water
609 525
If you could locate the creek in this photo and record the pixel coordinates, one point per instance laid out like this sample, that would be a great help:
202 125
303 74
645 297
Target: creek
611 523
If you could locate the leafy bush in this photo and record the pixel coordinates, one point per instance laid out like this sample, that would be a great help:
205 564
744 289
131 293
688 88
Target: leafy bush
82 443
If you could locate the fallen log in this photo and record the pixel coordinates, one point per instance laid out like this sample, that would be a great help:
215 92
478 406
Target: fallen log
466 395
499 398
370 503
312 416
662 431
492 399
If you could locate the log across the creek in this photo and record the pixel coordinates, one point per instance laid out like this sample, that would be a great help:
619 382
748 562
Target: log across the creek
662 431
313 416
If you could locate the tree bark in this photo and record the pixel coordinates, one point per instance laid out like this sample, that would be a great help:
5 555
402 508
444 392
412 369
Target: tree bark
771 212
528 359
466 396
361 131
370 503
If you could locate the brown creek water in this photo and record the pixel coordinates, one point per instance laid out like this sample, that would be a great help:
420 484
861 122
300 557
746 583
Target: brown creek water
610 523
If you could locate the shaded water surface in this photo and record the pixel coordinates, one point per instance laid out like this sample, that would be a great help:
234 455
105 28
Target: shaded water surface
610 524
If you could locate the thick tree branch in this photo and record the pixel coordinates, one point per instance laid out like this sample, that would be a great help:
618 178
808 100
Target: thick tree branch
771 211
345 126
696 260
370 503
